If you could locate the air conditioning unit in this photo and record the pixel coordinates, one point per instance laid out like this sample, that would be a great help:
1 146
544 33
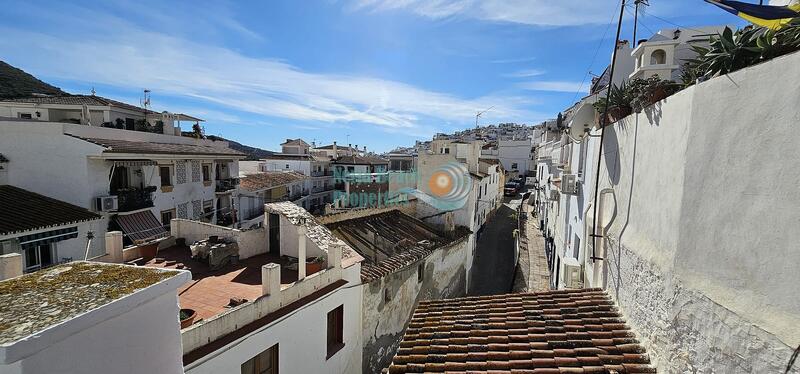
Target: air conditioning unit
554 195
106 203
569 184
573 274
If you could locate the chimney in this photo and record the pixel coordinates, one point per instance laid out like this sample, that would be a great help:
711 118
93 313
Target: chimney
313 144
365 149
356 149
334 149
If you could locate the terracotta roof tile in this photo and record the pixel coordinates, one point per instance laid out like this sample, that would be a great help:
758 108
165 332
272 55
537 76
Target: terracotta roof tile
126 146
22 210
566 331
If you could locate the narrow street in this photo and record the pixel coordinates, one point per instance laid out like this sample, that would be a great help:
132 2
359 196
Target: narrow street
493 264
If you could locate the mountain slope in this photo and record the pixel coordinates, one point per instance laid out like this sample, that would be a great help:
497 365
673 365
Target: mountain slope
16 83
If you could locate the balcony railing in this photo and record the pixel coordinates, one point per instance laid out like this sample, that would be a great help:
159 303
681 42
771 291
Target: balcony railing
326 173
130 199
225 185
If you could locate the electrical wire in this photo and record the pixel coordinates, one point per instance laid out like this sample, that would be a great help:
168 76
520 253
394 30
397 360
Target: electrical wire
596 52
670 22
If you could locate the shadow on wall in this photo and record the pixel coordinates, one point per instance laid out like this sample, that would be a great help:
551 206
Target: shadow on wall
611 153
630 198
653 113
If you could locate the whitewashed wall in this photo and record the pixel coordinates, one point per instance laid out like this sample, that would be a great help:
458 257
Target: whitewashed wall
301 337
251 242
702 254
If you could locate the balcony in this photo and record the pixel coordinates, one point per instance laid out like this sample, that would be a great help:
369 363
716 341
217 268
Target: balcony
326 173
130 199
225 185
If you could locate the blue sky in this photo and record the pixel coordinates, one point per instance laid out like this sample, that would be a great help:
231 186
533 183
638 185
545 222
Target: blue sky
381 73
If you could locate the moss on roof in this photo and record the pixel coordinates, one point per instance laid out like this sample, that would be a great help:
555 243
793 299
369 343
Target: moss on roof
34 302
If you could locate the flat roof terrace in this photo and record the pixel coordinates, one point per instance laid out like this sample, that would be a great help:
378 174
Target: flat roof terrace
210 292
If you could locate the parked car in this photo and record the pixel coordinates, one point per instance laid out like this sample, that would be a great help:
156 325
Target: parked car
511 189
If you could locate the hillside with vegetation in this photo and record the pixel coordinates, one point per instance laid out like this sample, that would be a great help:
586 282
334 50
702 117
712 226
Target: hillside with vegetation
15 82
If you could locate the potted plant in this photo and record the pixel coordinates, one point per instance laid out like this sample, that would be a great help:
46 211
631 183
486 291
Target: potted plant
314 264
187 317
617 105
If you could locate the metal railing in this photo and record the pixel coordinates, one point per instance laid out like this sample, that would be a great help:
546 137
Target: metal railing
130 199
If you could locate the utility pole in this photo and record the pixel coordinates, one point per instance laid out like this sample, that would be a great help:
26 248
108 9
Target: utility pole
597 234
479 114
634 42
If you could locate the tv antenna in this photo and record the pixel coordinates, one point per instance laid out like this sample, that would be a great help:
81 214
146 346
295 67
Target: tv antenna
479 114
146 100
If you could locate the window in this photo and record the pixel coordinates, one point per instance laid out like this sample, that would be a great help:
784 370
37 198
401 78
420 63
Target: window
167 216
514 166
287 166
130 124
264 363
206 172
658 57
335 330
420 273
166 176
26 115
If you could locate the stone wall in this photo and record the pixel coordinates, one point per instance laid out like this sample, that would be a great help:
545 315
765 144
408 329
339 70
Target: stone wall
384 321
684 330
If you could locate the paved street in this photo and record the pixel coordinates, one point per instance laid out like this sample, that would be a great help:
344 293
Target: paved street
493 265
533 271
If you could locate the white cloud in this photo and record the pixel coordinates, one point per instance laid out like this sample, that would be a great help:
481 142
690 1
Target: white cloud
527 73
127 56
555 86
529 12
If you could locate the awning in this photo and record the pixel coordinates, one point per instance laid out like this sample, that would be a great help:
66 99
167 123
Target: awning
48 237
141 226
134 162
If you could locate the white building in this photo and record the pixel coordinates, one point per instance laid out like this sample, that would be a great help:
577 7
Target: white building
295 295
137 180
93 110
670 180
665 52
101 318
44 231
514 155
317 189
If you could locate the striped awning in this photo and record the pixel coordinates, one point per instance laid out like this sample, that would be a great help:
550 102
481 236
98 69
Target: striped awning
141 226
134 162
48 237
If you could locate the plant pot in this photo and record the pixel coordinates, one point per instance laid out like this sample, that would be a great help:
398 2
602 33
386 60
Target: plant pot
148 251
188 317
313 267
658 94
617 113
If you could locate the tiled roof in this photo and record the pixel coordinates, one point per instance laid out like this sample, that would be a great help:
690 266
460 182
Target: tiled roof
22 210
360 160
269 179
565 331
338 148
288 156
79 100
410 240
125 146
297 141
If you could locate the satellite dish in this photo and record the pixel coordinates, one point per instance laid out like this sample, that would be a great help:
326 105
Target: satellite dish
581 122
